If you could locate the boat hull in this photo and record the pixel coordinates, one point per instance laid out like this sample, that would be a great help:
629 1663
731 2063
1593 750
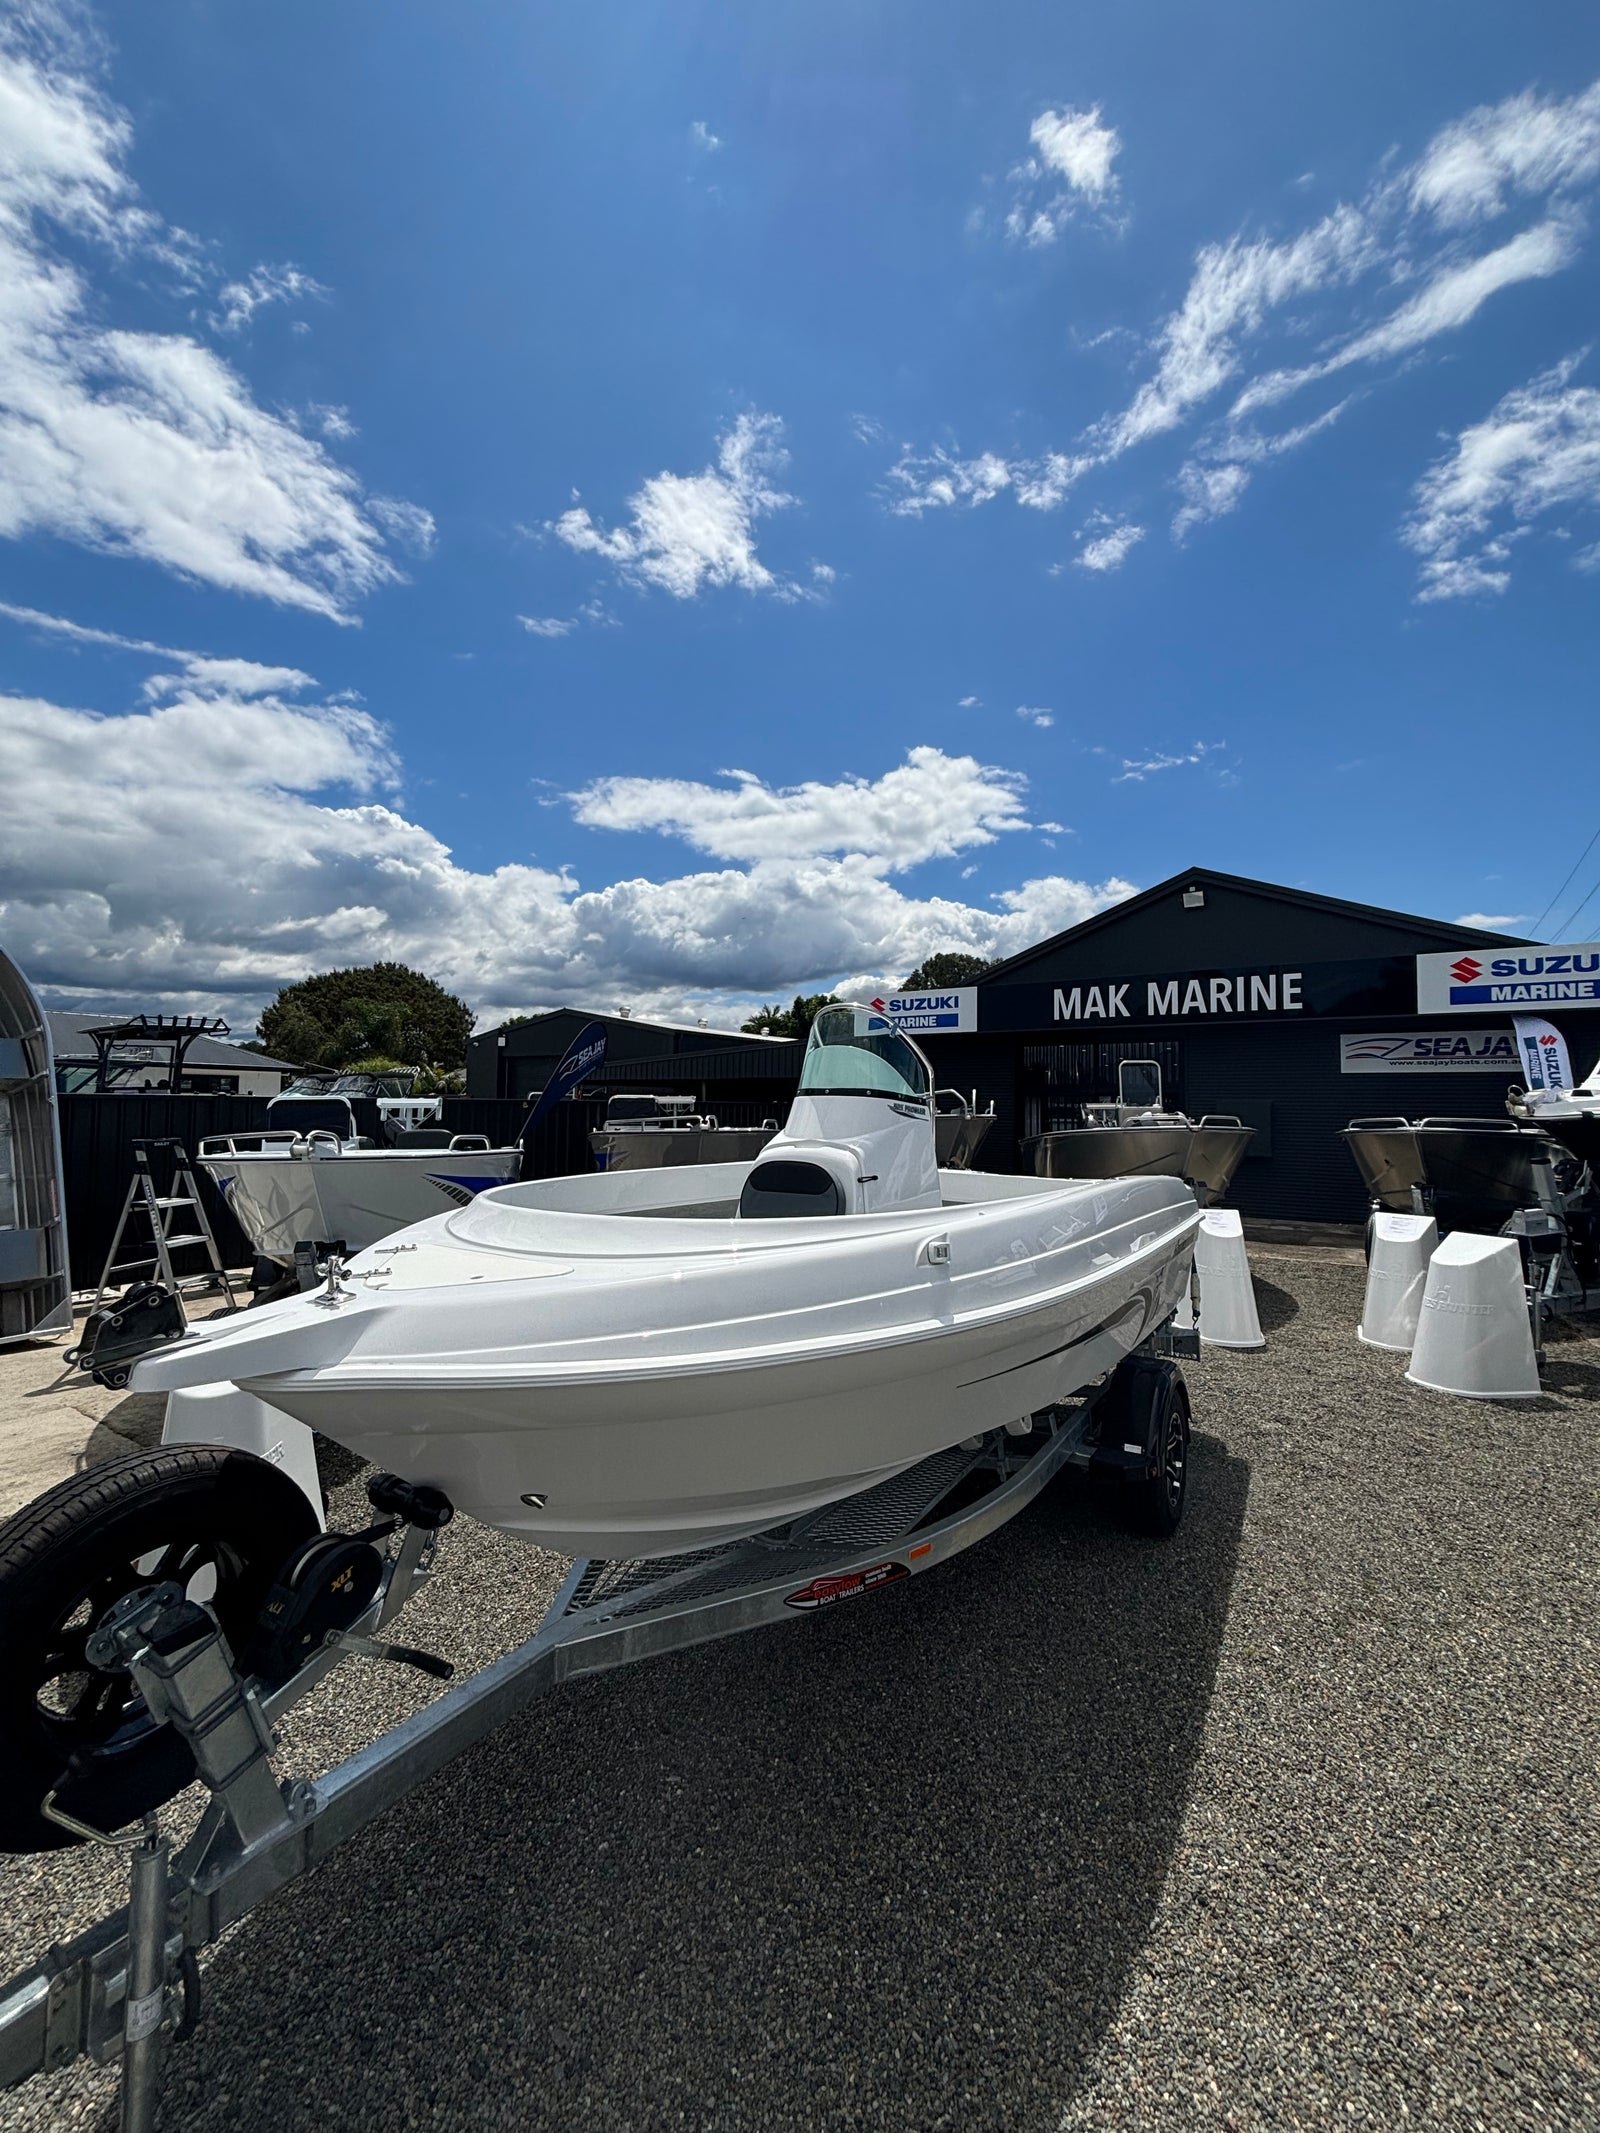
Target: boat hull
646 1149
642 1383
355 1197
1205 1156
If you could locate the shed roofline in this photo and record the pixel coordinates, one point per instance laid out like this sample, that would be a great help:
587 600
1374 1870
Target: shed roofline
1449 934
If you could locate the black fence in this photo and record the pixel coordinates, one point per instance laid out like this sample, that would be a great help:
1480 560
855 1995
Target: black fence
98 1133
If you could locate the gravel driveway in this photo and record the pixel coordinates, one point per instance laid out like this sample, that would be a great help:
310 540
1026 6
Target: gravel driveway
1288 1823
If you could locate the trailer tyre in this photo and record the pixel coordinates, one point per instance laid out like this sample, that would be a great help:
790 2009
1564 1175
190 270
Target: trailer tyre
1148 1404
217 1521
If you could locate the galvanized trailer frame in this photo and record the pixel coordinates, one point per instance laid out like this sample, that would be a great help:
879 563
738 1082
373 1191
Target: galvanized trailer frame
122 1986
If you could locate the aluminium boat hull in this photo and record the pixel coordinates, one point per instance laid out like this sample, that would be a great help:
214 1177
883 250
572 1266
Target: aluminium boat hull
579 1363
1473 1170
357 1196
1206 1156
651 1148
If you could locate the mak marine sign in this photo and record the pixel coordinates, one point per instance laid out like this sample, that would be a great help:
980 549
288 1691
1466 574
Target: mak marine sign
1482 983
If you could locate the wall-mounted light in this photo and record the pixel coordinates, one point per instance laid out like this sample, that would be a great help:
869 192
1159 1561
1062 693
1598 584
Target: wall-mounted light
1194 899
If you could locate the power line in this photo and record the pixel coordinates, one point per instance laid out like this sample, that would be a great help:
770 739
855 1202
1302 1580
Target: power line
1587 901
1578 862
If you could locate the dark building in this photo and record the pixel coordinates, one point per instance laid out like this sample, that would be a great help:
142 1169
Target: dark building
1295 1012
518 1059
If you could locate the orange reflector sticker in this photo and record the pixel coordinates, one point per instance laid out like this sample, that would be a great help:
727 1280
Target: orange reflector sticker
925 1549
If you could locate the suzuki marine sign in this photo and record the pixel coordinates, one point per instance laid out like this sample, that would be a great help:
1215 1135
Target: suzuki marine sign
956 1009
1481 982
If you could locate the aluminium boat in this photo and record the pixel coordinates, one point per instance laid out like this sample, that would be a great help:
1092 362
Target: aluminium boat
640 1363
1136 1137
1470 1171
645 1132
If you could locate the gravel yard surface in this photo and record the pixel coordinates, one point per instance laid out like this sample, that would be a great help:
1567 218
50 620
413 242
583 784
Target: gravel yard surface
1290 1822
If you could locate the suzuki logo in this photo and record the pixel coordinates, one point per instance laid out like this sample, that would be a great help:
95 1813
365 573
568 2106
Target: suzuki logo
1464 970
878 1004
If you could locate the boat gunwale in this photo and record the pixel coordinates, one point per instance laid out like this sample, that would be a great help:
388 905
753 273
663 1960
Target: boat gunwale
347 1376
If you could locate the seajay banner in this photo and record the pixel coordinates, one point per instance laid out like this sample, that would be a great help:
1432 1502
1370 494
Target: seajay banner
1431 1051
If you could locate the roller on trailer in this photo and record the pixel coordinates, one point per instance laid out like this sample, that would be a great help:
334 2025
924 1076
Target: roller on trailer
159 1614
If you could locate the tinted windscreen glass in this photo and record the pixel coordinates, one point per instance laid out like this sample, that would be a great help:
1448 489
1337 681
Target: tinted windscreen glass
852 1052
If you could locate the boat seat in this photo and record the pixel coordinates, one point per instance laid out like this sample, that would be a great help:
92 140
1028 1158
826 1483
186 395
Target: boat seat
422 1137
774 1190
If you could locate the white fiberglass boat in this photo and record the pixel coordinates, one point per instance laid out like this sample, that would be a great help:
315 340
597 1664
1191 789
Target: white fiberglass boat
646 1362
345 1165
1571 1116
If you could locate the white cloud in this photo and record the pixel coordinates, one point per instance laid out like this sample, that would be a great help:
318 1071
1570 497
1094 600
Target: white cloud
225 679
239 301
198 672
1537 451
931 807
968 703
290 862
1491 921
1035 716
333 421
1528 144
1375 281
1208 493
690 531
1135 770
1070 166
932 481
702 139
140 443
1109 542
592 611
1450 300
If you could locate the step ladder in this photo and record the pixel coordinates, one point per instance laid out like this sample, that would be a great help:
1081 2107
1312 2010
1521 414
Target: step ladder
158 1210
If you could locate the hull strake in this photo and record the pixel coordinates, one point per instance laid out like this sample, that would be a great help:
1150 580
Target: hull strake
674 1460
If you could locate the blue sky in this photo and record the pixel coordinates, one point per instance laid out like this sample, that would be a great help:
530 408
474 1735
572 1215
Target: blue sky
673 505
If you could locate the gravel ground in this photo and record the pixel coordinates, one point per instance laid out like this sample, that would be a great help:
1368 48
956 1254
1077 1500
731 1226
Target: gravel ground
1288 1823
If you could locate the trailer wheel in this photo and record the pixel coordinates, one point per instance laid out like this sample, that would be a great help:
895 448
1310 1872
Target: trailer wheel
1148 1404
217 1521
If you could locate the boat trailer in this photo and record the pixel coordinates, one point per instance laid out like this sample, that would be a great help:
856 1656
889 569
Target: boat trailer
128 1986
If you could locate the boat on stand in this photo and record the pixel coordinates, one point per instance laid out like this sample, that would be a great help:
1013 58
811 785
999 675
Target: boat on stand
647 1132
1137 1136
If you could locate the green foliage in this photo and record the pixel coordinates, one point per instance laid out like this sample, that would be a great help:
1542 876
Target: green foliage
381 1011
938 973
796 1021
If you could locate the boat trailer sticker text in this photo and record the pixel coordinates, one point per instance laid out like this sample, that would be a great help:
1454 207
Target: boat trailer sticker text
845 1585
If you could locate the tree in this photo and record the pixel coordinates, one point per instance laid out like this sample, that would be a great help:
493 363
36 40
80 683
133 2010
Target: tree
380 1009
938 973
796 1021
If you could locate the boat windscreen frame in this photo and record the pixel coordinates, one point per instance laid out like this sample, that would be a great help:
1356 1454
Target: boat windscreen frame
1143 1103
875 1036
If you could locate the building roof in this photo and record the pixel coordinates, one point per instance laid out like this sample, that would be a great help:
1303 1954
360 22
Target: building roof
737 1063
1447 934
70 1040
739 1038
